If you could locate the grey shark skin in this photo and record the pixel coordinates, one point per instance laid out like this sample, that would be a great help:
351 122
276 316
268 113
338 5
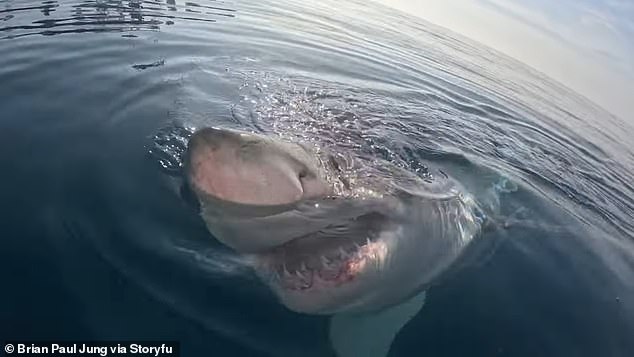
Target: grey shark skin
327 242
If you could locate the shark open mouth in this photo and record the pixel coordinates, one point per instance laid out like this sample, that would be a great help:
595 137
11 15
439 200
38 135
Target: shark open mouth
328 258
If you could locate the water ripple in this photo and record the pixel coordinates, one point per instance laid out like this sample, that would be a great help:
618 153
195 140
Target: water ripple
105 16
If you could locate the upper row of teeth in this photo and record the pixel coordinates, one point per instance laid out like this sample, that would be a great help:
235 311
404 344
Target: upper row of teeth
325 262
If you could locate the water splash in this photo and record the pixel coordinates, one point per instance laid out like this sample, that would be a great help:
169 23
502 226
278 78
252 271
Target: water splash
168 147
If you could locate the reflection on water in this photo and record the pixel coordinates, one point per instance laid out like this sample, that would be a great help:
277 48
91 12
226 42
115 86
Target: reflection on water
104 16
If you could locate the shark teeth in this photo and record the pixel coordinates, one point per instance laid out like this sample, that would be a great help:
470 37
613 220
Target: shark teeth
287 274
303 271
298 280
324 261
333 266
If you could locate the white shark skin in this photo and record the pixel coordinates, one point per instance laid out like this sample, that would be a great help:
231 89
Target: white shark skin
392 245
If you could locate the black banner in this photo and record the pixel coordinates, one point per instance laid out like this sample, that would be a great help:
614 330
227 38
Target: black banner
93 349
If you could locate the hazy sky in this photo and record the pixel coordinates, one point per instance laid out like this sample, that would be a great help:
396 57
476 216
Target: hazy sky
587 45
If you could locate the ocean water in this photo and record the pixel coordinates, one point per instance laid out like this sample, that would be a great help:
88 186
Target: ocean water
98 241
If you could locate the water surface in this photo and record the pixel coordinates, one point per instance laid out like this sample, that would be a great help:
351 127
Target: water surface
98 243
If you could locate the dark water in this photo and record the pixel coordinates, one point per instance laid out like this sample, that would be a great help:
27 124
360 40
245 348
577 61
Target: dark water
97 242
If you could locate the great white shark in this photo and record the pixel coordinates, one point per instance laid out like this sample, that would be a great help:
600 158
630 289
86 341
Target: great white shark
329 232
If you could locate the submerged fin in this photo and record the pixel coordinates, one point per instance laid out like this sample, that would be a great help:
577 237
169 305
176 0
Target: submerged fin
372 334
